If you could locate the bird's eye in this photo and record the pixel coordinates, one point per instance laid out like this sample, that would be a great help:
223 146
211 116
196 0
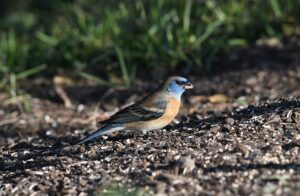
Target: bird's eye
178 82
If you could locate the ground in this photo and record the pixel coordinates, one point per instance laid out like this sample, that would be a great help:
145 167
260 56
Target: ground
238 132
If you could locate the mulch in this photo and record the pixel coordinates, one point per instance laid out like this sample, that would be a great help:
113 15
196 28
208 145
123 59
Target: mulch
237 133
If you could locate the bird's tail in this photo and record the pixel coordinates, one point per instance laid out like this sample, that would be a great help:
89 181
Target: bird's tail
101 131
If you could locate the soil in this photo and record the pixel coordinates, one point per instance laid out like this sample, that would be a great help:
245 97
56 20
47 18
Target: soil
237 133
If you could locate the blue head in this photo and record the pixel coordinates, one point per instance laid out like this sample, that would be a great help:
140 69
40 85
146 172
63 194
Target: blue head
176 85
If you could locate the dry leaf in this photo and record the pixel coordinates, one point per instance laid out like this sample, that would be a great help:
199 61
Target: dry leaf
273 119
297 118
218 98
187 164
63 80
198 98
59 81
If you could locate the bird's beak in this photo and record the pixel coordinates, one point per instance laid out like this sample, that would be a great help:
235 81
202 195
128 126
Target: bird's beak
188 85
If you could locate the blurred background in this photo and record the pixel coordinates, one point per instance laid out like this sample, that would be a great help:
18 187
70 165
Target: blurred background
66 65
120 41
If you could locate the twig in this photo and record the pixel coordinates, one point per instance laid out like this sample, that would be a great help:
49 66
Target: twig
8 121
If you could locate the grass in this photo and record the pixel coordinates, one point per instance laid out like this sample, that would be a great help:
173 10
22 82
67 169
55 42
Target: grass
119 39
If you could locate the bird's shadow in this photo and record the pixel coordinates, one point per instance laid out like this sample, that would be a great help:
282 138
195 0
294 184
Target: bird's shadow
252 166
244 114
40 156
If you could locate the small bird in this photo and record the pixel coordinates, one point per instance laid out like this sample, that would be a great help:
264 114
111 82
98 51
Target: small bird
153 112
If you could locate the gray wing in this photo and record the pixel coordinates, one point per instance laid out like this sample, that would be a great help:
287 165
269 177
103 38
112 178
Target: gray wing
138 112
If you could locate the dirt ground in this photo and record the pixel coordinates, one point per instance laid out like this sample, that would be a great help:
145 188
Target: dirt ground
237 133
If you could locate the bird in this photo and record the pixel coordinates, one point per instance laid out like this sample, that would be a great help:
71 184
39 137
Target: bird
153 112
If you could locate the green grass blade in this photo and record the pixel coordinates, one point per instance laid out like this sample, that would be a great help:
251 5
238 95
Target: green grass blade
276 8
30 72
210 30
122 64
46 38
94 78
27 103
187 15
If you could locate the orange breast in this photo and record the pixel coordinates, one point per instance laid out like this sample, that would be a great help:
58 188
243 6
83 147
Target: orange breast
170 113
171 110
